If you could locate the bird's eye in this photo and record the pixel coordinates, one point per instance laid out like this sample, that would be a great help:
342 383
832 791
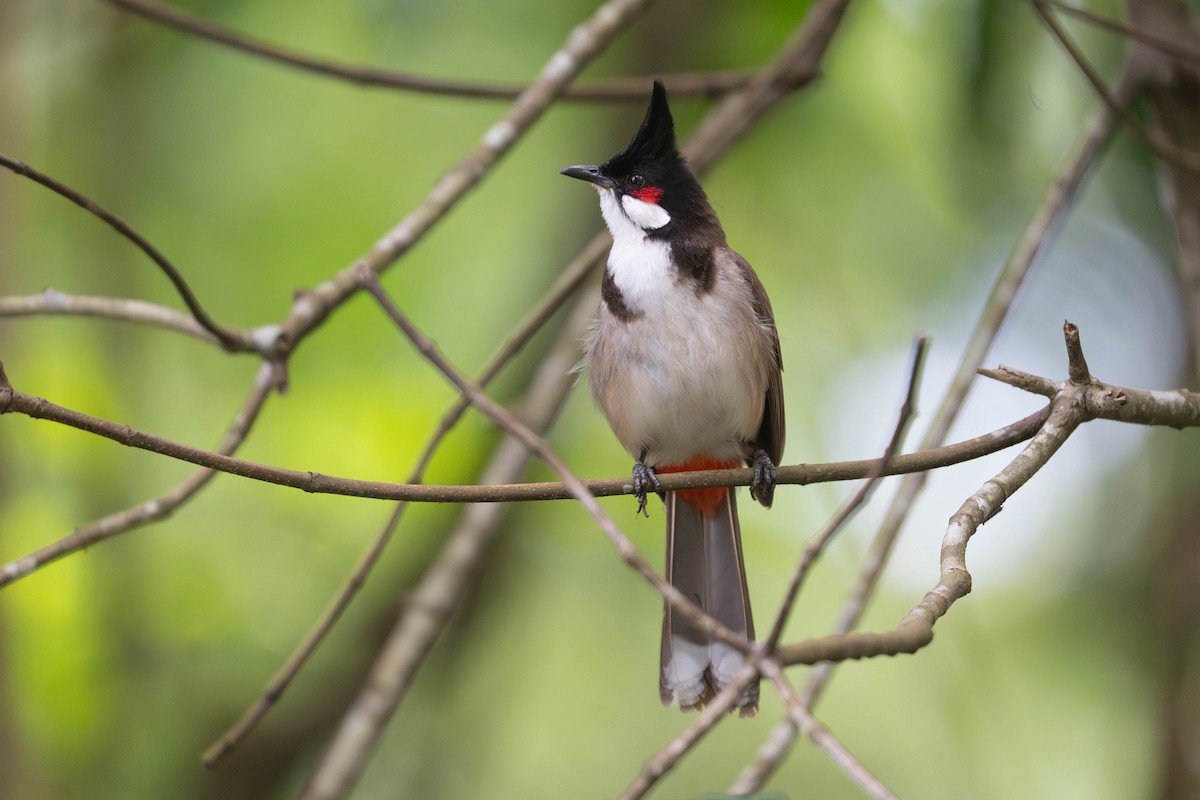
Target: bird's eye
636 181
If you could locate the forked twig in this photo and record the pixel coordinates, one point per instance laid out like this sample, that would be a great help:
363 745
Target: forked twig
1034 239
856 501
802 718
1162 148
231 340
150 510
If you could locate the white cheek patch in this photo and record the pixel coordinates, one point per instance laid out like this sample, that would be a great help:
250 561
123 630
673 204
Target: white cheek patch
646 216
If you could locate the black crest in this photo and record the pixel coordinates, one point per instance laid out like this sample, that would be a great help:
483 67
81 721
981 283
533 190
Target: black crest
654 140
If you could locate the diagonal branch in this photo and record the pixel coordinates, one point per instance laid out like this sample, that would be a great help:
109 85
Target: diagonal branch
702 84
1074 402
1162 148
851 506
437 593
233 341
151 510
713 712
1175 49
1055 202
802 718
585 42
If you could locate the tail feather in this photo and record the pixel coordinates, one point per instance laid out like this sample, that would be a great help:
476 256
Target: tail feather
704 562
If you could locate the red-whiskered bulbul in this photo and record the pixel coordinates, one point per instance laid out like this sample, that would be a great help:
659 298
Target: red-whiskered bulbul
684 362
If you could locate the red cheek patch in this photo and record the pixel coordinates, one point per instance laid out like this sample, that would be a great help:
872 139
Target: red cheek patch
648 194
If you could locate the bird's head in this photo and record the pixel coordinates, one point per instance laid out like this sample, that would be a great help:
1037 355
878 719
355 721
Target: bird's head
648 181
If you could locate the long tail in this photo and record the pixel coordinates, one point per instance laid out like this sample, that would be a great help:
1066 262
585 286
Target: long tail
704 562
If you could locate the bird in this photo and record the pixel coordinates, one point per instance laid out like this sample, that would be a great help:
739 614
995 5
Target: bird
684 362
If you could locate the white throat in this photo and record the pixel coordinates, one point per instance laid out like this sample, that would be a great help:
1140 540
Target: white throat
640 266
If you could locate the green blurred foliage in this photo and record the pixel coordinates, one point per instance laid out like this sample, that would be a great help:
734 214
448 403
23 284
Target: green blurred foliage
878 202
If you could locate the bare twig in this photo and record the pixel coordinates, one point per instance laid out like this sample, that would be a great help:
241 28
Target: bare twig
437 593
1162 148
1073 403
1176 49
802 718
151 510
916 629
52 302
701 84
716 709
848 509
233 341
1033 241
16 402
585 42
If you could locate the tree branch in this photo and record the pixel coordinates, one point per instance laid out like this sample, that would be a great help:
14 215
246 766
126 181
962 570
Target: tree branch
437 593
53 302
1073 403
1179 50
233 341
803 720
713 712
848 509
1162 148
632 89
151 510
12 401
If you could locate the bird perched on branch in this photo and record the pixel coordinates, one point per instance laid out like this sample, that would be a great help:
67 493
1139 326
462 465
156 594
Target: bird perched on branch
684 362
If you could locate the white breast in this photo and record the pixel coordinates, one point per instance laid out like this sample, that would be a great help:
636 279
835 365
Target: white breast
688 374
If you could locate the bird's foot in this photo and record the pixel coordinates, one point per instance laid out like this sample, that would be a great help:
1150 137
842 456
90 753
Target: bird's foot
762 488
643 480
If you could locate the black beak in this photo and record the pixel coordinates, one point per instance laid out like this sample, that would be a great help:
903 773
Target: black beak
590 173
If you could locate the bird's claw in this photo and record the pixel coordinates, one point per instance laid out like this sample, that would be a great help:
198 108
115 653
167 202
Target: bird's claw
643 479
762 488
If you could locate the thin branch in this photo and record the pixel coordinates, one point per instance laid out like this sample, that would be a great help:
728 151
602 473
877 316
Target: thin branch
52 302
12 401
585 42
151 510
802 718
1034 239
664 760
1074 403
1162 148
915 631
848 509
632 89
1175 49
233 341
436 595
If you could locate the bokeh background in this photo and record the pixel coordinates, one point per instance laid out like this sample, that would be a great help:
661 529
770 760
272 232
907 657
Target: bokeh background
878 202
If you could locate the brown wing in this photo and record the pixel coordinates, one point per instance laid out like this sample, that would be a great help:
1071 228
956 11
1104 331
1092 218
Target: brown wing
771 431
